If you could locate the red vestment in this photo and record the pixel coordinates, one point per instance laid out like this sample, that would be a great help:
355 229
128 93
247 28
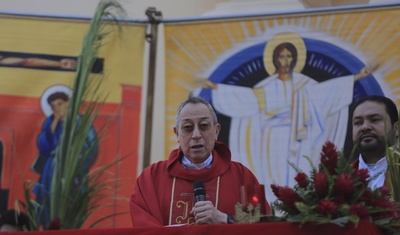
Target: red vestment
164 190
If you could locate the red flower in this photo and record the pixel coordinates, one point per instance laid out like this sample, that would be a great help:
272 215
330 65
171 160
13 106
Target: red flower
362 174
329 157
385 191
359 210
366 196
391 207
55 224
339 199
275 189
288 196
327 207
302 179
344 184
321 183
383 203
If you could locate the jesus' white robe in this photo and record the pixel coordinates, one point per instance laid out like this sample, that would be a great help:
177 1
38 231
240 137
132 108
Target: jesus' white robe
277 122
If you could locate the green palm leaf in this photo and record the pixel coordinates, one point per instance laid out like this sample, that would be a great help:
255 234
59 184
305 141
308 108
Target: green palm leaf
393 171
30 206
74 193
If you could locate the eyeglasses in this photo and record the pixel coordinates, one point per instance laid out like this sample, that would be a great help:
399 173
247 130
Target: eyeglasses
203 127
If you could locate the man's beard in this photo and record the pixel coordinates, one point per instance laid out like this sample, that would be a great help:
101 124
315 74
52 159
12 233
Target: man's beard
285 70
370 146
378 143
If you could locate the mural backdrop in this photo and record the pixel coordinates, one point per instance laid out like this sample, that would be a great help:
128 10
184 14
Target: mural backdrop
38 58
282 84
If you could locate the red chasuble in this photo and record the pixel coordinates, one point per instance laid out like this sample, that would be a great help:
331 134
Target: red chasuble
164 192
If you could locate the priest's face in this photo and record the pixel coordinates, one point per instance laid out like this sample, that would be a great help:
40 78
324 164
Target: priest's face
196 132
372 128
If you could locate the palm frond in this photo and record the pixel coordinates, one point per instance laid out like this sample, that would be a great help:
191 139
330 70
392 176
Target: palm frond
393 172
30 206
74 191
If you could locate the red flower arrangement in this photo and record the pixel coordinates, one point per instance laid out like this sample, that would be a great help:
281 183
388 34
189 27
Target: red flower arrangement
336 192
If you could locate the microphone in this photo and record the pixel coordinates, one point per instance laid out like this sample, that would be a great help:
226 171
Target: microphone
199 191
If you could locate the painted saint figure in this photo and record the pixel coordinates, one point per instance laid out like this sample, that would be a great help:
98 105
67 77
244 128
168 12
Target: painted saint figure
47 142
285 116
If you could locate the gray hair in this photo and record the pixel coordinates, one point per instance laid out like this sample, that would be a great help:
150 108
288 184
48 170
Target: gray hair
196 100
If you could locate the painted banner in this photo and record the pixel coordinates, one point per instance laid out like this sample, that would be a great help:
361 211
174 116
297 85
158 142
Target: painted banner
282 84
38 57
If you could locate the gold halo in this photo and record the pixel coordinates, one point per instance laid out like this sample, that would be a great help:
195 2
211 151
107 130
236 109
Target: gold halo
293 38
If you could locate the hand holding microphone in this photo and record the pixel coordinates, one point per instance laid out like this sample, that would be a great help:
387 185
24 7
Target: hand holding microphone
199 191
204 211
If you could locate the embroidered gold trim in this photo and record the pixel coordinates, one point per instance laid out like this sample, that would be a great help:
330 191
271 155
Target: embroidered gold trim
180 204
216 199
172 197
172 201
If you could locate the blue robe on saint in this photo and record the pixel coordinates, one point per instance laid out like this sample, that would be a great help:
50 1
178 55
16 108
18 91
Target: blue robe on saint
47 143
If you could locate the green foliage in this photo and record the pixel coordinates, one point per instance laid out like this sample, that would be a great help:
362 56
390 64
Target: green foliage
30 206
393 180
393 175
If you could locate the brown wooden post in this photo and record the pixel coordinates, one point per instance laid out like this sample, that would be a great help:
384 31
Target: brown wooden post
154 17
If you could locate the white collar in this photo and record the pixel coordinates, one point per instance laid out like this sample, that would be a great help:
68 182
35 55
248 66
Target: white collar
190 165
377 172
379 165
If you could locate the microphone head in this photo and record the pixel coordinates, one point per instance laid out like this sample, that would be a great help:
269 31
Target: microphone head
198 188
